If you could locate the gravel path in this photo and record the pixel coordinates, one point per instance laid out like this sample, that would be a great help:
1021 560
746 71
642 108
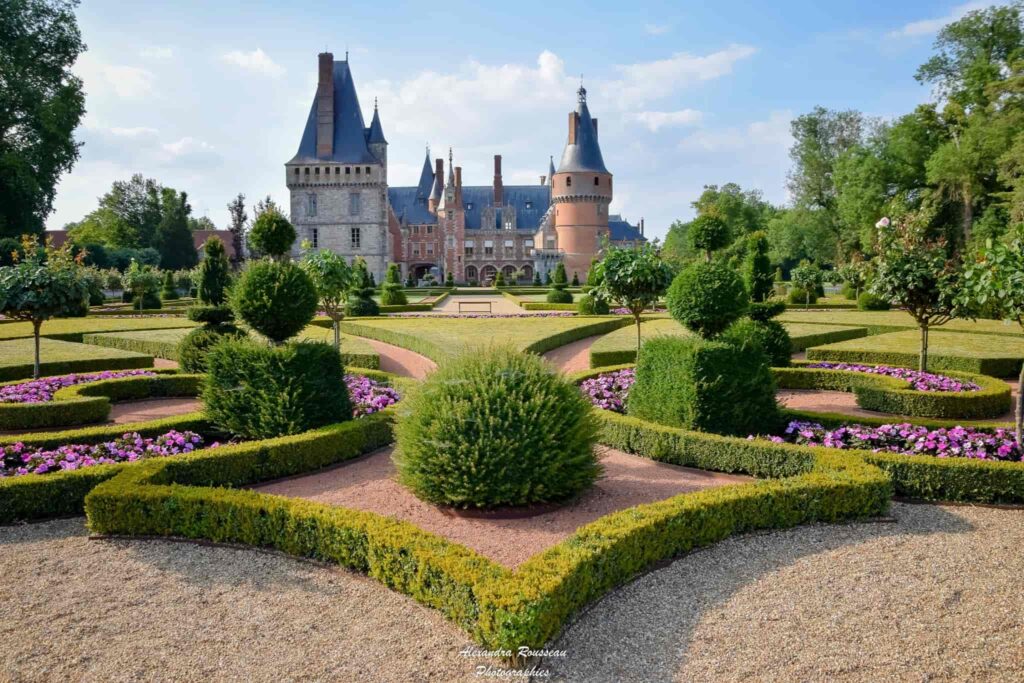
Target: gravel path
845 403
935 596
401 362
574 356
152 409
78 610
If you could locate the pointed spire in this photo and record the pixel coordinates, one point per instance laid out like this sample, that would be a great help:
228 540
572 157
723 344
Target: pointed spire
582 152
451 170
426 182
376 132
551 167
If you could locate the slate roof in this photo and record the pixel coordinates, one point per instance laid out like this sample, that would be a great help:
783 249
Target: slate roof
474 200
350 131
426 183
620 230
585 155
375 133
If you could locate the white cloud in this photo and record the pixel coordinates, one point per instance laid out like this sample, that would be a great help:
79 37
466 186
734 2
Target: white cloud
133 132
926 27
652 80
772 133
129 82
657 29
660 119
257 61
156 52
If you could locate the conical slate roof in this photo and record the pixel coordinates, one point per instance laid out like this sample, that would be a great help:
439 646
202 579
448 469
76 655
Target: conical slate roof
585 155
376 133
426 183
349 126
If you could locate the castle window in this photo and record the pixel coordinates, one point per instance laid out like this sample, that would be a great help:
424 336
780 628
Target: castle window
314 238
415 229
348 170
451 214
468 247
509 224
356 237
415 250
568 181
597 181
316 171
354 207
528 247
358 170
471 273
509 248
307 170
337 170
488 248
311 205
296 171
367 170
430 249
430 229
550 243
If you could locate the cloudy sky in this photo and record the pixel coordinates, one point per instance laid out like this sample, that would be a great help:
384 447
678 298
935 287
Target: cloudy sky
211 98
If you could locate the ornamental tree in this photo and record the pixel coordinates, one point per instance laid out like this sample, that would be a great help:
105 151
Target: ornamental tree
708 233
361 290
995 283
272 234
855 275
391 291
42 286
214 273
634 278
757 268
808 277
918 274
141 281
331 277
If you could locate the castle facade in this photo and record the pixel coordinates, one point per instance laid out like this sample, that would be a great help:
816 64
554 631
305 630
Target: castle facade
340 200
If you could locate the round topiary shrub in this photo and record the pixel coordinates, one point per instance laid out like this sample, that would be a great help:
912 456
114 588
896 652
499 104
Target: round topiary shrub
192 349
708 233
588 305
769 335
255 391
799 296
275 299
706 298
496 428
361 306
849 291
871 302
559 296
272 234
150 301
210 315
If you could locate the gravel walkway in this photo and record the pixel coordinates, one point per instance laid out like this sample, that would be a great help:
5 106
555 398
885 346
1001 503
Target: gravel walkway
152 409
401 362
845 403
78 610
935 596
574 356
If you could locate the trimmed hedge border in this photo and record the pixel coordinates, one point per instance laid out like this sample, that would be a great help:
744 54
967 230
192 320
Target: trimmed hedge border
66 367
993 367
151 347
90 402
892 395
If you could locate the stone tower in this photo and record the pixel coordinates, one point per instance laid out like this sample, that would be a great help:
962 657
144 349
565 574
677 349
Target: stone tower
338 179
581 190
451 221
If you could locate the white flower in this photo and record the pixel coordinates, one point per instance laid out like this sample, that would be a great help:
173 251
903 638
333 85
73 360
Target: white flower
882 223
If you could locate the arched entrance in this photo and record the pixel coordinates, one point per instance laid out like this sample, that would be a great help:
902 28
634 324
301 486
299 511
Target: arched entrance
488 273
510 273
527 272
471 274
420 270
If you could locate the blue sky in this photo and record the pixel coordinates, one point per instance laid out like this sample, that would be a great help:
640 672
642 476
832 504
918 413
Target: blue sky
211 97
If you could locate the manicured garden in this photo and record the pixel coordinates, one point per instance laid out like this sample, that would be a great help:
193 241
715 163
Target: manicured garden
16 358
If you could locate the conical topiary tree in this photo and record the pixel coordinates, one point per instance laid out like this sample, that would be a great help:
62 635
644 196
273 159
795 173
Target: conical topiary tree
558 293
391 291
214 273
360 301
169 291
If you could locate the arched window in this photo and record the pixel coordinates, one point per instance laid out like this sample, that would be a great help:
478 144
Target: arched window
527 272
489 272
471 272
509 272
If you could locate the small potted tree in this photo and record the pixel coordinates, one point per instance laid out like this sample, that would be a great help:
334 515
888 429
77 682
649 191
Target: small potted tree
633 278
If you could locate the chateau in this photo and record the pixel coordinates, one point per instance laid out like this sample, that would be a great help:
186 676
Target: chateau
340 200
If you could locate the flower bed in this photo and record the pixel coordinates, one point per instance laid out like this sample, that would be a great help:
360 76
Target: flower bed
368 395
42 390
547 314
907 439
19 459
919 381
609 390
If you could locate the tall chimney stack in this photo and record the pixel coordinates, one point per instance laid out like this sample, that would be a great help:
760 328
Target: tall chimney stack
573 119
543 180
641 227
458 185
325 107
439 173
499 190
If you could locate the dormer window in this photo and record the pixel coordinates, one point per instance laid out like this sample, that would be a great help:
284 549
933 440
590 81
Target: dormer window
348 170
337 170
307 170
296 171
469 207
367 170
529 205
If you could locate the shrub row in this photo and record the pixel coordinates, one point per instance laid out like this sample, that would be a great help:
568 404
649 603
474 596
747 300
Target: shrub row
86 403
803 342
993 366
77 365
406 308
158 348
545 306
891 395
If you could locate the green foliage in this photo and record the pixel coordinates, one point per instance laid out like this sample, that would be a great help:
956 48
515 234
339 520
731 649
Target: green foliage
169 291
778 274
770 335
275 299
360 302
41 105
272 234
757 268
588 305
559 276
449 279
499 280
708 233
706 298
536 278
633 278
391 290
765 311
332 278
722 387
807 277
496 428
173 236
575 279
801 296
11 251
559 296
871 302
210 315
256 391
214 273
143 282
192 349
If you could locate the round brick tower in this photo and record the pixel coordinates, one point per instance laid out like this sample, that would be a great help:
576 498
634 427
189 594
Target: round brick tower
581 191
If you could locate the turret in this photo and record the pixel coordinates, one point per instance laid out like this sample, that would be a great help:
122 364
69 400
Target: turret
375 139
581 190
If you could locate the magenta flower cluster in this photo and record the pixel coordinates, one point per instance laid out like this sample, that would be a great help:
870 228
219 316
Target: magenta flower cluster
42 390
955 442
921 381
369 396
540 314
19 459
609 390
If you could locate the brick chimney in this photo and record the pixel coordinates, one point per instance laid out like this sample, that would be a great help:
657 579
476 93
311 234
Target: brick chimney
499 190
573 119
325 107
458 186
543 180
439 172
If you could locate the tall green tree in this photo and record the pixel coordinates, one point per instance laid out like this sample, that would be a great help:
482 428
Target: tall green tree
174 239
633 278
239 219
332 277
41 104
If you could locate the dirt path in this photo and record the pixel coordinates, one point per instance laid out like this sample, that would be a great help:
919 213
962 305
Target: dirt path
163 363
845 403
152 409
573 357
401 362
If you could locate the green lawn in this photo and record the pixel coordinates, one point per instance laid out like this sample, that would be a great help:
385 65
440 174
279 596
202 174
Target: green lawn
60 357
164 344
892 321
72 329
440 338
988 354
620 346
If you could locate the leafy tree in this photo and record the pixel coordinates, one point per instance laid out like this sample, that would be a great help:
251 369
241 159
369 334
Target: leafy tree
132 211
807 276
855 275
798 234
332 278
42 286
916 272
236 208
169 291
995 283
677 249
742 211
272 234
707 234
634 278
174 239
141 281
757 268
361 291
214 273
391 291
41 104
11 251
201 223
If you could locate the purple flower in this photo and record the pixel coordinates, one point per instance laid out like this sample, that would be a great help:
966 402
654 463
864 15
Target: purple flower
609 390
920 381
42 390
369 396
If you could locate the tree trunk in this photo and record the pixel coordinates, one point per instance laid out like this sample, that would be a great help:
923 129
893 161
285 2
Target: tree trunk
922 363
968 216
337 336
637 316
36 324
807 299
1019 422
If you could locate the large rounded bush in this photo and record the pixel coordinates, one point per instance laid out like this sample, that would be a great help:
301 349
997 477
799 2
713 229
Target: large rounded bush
706 298
495 428
708 233
275 299
192 349
272 234
872 302
361 306
589 305
255 391
769 335
559 296
799 296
